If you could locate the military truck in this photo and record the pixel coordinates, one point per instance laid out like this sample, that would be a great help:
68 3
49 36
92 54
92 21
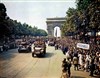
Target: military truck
39 48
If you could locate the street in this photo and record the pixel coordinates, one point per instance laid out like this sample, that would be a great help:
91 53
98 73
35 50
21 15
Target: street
23 65
66 33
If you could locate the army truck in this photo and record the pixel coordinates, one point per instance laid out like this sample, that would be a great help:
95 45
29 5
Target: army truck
39 48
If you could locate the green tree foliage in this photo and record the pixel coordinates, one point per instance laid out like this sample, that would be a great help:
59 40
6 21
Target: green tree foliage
4 27
90 10
85 18
93 11
90 14
41 32
2 12
25 29
69 25
10 27
83 4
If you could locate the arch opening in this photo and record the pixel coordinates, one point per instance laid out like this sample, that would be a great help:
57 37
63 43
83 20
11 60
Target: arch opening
57 31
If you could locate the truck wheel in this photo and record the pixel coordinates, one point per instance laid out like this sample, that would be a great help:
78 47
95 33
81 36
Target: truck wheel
19 51
45 51
43 54
38 55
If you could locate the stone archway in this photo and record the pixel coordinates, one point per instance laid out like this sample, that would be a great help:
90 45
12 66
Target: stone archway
54 22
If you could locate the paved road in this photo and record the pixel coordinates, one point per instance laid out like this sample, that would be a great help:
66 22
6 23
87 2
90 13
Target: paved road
23 65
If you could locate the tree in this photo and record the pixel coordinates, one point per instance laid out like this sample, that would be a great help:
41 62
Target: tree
69 25
5 28
83 19
90 14
93 11
41 32
83 4
9 27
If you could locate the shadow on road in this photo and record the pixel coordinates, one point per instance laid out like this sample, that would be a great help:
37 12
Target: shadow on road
77 77
48 55
6 56
85 77
2 77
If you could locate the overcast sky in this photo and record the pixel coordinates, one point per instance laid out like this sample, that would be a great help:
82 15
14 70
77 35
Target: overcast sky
34 12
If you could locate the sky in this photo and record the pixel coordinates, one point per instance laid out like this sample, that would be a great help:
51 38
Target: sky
35 12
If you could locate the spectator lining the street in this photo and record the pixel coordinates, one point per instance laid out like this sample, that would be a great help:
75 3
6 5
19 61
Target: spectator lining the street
64 69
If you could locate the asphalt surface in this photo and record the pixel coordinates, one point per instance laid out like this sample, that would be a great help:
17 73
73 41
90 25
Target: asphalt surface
23 65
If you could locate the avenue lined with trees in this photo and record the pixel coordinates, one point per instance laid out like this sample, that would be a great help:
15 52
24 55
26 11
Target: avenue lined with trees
85 18
9 27
75 54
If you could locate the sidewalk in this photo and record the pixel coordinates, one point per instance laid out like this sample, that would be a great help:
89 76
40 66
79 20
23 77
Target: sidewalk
80 74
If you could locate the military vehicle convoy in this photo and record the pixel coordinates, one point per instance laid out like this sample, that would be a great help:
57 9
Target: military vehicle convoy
24 47
39 48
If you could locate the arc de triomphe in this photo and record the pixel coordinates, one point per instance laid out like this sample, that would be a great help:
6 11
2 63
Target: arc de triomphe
54 22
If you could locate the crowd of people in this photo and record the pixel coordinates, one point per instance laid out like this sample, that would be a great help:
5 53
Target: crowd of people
81 59
5 46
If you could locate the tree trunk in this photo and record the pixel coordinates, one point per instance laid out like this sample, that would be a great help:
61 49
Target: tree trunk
95 41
